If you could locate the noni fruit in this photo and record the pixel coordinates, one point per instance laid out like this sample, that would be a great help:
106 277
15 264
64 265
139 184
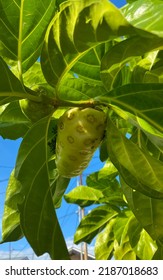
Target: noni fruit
80 131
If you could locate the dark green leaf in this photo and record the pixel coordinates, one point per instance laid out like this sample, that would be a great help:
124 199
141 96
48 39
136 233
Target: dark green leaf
59 188
159 254
37 215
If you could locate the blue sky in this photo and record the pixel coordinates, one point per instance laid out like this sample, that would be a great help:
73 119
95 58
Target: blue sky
67 214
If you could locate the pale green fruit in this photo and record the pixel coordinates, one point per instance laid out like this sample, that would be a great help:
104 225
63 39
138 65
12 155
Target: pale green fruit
80 132
35 110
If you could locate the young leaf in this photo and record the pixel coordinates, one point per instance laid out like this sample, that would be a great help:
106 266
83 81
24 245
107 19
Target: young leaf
86 28
146 246
22 29
11 229
84 196
37 215
140 170
93 223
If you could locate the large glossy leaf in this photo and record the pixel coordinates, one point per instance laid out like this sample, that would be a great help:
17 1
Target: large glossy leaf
72 88
147 210
153 134
144 101
140 170
123 53
86 28
22 29
13 123
37 215
88 66
11 229
146 15
93 223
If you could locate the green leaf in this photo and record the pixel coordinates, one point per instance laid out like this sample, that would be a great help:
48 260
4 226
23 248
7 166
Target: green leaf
140 170
83 196
144 101
149 69
124 231
155 136
13 123
105 242
22 28
147 210
93 223
86 28
37 215
146 247
88 66
146 145
72 88
123 53
10 86
159 254
59 188
11 230
146 15
105 182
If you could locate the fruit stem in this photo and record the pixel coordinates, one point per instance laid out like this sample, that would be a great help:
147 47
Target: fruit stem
83 103
66 103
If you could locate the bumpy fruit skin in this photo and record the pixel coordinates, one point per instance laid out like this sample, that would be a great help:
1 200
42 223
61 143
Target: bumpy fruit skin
34 110
80 132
